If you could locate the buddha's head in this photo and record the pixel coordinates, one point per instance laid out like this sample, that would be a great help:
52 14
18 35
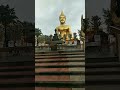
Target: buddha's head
62 18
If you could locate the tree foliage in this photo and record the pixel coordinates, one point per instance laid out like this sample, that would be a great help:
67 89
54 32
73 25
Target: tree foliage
85 24
96 22
7 16
108 18
38 32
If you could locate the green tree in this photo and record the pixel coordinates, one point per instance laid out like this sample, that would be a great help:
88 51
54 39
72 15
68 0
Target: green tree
75 36
41 39
108 18
38 33
15 31
47 38
96 22
51 37
28 31
7 16
81 35
85 24
44 39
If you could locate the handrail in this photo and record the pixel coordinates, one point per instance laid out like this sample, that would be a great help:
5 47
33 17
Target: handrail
115 27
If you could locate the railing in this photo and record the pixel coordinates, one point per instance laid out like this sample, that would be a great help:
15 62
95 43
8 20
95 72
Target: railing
115 27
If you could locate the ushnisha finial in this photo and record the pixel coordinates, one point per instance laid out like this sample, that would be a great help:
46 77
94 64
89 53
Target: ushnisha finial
62 13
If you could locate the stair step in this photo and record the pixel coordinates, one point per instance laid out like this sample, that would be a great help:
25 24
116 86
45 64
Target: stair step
53 88
60 78
102 59
17 88
58 54
19 80
17 64
15 67
17 70
59 69
17 73
60 66
16 85
58 57
61 73
16 76
59 51
63 84
102 77
117 72
58 61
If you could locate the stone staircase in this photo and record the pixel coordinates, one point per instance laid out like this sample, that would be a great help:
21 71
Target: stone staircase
67 70
17 73
60 70
102 74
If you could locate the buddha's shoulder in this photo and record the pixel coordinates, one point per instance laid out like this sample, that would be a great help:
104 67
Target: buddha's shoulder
57 27
64 26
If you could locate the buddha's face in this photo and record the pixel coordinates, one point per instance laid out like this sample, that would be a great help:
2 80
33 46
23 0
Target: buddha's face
62 19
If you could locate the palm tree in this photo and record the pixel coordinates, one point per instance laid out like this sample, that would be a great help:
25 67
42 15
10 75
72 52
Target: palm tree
7 16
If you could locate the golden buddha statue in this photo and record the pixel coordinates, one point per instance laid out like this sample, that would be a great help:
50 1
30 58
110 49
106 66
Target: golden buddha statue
63 30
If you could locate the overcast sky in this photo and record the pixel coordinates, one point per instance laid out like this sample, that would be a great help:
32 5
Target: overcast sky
47 14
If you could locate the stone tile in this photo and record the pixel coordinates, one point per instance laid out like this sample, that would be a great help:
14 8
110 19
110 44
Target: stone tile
46 78
78 88
77 78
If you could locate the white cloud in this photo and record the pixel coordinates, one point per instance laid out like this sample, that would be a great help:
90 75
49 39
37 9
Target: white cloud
47 14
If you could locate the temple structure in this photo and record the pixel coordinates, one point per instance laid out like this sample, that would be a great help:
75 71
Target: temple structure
115 27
